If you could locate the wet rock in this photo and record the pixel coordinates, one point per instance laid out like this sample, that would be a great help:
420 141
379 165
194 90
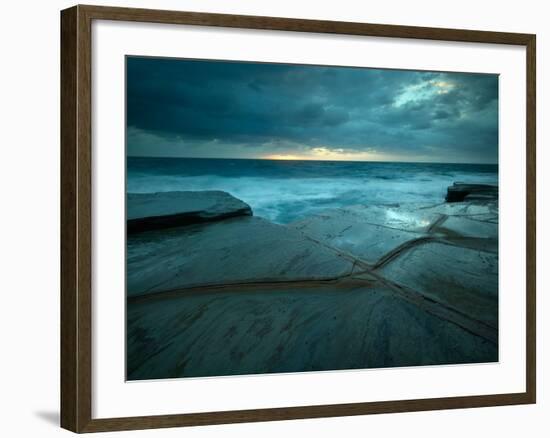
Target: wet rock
446 252
406 217
467 227
151 211
462 278
366 233
481 211
357 287
459 192
294 329
247 249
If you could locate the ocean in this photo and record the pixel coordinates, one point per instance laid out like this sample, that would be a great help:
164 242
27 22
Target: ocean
284 191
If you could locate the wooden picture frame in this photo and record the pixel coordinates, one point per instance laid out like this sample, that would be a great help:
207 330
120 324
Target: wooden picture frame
76 218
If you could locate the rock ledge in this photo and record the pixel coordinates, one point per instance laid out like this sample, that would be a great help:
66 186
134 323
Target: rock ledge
460 192
152 211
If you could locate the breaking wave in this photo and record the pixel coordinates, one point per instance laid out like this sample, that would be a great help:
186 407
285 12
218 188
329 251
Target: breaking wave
283 192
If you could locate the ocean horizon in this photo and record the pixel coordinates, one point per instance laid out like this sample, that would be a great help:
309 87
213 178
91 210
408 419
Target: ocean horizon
287 190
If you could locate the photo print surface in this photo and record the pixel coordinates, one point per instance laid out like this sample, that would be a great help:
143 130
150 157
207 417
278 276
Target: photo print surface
297 218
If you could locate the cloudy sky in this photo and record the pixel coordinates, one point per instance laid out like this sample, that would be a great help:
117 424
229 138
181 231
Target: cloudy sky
184 108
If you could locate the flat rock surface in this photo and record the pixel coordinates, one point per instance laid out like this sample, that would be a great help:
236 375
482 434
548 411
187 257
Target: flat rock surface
357 287
467 227
351 233
462 278
237 250
481 211
406 217
370 232
446 252
290 330
148 211
459 192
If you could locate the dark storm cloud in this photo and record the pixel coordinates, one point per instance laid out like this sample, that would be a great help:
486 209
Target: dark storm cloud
190 106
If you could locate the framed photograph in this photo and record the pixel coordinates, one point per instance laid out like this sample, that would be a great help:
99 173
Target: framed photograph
270 218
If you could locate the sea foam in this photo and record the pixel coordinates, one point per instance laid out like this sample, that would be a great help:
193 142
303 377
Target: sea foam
283 192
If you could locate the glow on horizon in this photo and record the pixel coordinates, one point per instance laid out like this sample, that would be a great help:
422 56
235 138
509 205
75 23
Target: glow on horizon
293 152
327 154
396 159
286 157
321 158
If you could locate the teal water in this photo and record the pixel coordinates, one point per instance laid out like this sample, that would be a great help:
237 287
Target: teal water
283 191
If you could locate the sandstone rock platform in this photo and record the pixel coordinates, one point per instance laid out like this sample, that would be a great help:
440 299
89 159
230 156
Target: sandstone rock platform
151 211
355 287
